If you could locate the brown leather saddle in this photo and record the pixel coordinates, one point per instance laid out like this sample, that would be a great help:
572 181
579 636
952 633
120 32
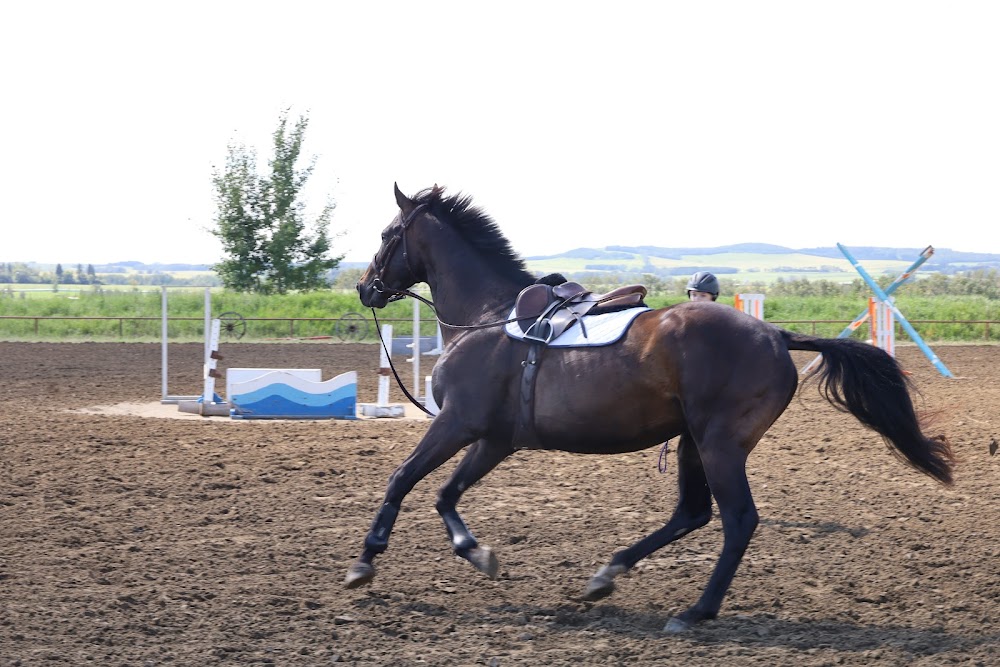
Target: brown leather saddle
543 312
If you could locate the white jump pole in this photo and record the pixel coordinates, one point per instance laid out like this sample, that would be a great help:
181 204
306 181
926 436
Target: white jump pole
429 401
440 343
165 396
163 343
208 322
415 347
383 367
382 407
210 373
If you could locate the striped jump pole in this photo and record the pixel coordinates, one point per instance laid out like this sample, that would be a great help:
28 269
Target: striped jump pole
751 304
884 298
883 326
863 315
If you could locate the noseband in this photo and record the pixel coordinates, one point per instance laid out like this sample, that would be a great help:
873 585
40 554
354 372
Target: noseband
378 284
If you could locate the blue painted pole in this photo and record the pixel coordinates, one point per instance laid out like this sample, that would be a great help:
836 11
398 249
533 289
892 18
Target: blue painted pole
863 316
882 296
893 286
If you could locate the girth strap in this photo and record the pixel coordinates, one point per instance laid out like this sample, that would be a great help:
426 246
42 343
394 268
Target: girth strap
525 435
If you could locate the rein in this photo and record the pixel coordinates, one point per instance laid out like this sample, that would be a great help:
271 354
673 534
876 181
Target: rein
399 294
388 355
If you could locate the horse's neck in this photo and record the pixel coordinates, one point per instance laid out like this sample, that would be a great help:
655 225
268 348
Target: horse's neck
470 297
466 291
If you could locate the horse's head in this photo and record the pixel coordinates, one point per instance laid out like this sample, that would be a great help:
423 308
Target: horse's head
394 267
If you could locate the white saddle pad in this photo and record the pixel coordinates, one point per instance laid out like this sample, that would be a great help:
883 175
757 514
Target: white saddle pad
601 329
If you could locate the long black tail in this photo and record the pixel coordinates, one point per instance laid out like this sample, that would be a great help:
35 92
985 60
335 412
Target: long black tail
862 379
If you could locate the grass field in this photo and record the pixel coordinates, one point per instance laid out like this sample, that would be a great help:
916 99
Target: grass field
135 315
30 291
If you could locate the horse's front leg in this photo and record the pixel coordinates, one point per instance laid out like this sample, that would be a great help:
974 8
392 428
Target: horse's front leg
482 457
442 441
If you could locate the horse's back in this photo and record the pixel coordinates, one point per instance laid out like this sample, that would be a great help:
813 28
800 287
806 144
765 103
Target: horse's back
717 348
700 327
675 366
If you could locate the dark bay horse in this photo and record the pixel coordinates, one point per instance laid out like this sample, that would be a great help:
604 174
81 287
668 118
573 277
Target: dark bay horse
703 371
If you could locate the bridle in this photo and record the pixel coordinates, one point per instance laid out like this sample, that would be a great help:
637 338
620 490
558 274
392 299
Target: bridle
377 283
395 294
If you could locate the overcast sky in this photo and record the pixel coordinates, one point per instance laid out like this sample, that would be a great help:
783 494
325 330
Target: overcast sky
572 123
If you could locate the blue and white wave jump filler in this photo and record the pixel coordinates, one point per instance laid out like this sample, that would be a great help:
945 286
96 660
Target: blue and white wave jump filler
292 394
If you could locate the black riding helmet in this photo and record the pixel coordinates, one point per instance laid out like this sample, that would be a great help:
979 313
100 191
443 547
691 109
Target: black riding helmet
703 281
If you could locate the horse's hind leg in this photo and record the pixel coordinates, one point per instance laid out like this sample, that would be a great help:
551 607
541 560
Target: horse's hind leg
694 510
482 457
726 475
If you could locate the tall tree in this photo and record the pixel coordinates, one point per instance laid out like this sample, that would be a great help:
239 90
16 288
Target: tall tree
239 221
269 244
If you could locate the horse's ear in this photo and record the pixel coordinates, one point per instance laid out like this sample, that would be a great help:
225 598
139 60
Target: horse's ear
405 203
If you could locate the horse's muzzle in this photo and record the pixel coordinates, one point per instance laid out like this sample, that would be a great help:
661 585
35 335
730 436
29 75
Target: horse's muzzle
371 296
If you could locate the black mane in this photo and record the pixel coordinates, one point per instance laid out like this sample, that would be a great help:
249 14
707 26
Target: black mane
478 229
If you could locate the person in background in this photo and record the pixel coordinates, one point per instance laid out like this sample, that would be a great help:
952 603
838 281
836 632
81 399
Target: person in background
703 286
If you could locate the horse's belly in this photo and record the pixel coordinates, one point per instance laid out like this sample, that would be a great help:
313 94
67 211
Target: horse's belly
607 410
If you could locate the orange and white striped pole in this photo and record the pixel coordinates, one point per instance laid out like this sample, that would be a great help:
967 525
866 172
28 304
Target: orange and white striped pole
751 304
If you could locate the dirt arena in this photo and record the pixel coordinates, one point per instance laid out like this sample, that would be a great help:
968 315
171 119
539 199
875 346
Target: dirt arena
140 540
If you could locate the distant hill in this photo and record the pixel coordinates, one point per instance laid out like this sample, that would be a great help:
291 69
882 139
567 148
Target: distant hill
124 267
941 255
762 262
757 261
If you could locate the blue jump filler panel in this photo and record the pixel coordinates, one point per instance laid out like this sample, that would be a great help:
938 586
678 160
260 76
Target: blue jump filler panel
281 394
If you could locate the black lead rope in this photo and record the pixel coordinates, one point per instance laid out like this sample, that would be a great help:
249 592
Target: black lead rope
388 355
661 465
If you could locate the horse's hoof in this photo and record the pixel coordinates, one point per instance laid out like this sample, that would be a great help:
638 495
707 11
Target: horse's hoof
602 584
676 626
598 588
358 575
484 560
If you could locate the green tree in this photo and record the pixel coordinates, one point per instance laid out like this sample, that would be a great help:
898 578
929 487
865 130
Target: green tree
269 245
